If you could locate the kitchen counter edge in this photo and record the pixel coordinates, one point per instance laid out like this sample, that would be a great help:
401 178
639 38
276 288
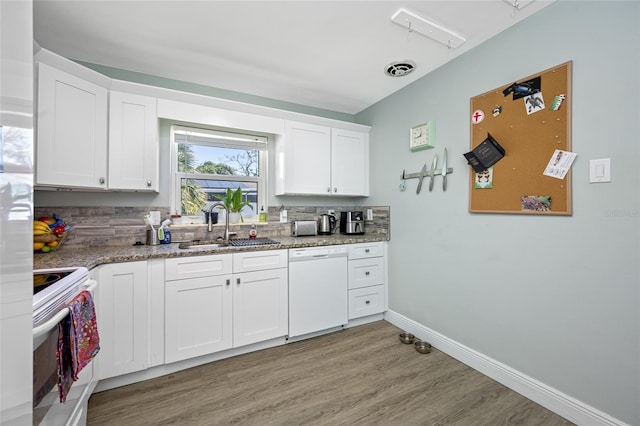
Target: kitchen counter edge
90 257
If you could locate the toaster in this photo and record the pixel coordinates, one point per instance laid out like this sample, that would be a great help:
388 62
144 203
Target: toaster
302 228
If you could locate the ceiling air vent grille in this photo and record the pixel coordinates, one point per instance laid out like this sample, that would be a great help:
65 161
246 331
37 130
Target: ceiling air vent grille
399 68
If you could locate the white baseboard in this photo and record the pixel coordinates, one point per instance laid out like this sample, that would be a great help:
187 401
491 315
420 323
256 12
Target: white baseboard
550 398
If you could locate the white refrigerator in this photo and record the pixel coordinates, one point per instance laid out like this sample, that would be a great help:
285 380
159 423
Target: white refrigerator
16 211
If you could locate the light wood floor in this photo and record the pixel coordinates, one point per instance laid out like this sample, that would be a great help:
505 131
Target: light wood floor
359 376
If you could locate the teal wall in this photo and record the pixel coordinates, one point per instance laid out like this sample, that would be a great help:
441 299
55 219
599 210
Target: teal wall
183 86
556 298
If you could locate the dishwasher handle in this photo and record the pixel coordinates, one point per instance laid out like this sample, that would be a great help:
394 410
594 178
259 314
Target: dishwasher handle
297 255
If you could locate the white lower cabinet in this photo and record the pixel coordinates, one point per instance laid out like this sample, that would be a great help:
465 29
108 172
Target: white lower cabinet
259 306
163 311
366 301
217 302
367 279
197 317
122 314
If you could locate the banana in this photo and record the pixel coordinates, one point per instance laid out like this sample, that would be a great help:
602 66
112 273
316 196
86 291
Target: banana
40 228
40 225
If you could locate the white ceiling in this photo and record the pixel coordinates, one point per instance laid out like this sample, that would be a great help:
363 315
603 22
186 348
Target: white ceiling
324 54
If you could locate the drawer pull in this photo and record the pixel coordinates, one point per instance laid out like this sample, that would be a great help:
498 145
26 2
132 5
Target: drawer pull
366 302
366 250
367 273
238 281
228 281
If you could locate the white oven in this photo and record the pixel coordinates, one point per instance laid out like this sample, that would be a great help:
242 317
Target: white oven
53 290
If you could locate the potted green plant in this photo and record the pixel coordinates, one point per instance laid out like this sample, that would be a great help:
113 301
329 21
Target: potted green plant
234 203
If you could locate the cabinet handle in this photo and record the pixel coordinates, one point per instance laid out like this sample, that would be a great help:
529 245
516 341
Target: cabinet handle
335 189
328 189
149 183
366 302
238 281
228 281
367 273
101 180
366 250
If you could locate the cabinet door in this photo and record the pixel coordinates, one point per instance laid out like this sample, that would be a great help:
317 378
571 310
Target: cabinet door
307 161
260 310
133 142
198 319
366 301
349 162
123 318
366 272
71 148
365 250
260 260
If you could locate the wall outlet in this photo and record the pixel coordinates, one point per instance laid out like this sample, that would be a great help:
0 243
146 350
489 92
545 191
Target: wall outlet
283 216
155 216
369 214
331 212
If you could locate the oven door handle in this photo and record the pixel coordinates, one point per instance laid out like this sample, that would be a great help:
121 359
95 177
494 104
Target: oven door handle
44 328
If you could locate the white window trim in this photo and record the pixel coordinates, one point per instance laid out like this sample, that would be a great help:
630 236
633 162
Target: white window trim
258 142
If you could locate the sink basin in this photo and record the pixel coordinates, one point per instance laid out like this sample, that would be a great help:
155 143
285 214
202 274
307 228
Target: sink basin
236 242
202 245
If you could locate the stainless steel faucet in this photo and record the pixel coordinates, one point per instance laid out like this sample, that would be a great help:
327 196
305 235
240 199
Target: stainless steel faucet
226 220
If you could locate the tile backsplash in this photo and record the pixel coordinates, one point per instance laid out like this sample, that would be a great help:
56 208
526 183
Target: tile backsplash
122 226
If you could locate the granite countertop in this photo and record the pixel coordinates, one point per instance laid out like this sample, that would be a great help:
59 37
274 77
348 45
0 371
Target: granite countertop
94 256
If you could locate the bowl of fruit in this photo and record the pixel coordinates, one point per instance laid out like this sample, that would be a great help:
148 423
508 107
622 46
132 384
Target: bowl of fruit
48 233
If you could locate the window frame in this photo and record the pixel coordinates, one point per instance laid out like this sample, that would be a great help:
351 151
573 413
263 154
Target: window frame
245 140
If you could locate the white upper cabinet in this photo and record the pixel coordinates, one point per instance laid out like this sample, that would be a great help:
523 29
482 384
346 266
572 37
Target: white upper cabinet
133 142
349 162
319 160
307 159
89 137
71 148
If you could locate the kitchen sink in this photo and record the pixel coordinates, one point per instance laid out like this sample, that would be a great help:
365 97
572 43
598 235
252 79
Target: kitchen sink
202 245
246 242
238 242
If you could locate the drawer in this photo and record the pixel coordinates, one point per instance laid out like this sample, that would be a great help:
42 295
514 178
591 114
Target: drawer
198 266
259 260
366 301
365 250
366 272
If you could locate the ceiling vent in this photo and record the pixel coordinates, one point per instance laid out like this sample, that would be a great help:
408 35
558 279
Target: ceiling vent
399 68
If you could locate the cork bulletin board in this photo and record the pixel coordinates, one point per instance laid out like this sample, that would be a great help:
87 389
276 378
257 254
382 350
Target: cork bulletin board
530 119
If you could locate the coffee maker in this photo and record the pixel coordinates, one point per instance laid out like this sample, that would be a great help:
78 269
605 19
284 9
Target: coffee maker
352 223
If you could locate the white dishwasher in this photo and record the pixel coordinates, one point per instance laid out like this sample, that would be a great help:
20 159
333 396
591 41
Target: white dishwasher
317 289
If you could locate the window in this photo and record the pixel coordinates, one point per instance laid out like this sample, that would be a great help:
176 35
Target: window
207 162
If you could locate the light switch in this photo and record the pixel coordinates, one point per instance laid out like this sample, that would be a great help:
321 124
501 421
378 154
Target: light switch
600 170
